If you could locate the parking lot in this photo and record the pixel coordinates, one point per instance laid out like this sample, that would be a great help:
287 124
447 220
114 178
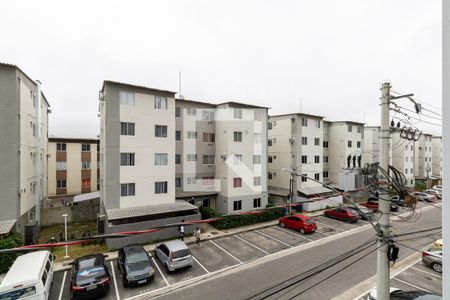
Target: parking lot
213 256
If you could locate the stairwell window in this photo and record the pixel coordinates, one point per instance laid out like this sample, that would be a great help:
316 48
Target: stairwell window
192 134
160 102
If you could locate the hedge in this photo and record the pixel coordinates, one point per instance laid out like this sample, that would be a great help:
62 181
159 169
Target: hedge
10 241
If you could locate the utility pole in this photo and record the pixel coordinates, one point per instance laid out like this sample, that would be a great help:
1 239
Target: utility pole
383 278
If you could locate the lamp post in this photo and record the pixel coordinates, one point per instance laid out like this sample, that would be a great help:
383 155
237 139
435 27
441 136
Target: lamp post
65 232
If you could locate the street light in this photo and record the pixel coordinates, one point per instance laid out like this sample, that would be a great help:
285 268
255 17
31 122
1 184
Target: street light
65 230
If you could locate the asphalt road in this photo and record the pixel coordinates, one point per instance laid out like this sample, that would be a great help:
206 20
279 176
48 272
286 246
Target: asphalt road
251 279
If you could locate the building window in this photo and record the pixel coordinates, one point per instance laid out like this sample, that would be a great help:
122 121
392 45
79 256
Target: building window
237 113
127 159
126 128
257 115
269 175
412 181
256 202
237 205
325 159
358 129
85 165
406 147
126 98
237 158
192 134
257 138
406 171
325 144
316 141
160 102
317 176
98 147
207 115
61 147
412 170
237 136
304 179
161 159
177 112
269 142
191 111
208 159
209 137
349 128
411 148
191 180
192 157
304 140
177 159
178 182
237 182
161 187
206 202
256 159
61 166
316 159
61 184
349 144
304 122
325 174
161 131
317 123
358 144
178 135
86 183
257 181
208 180
127 189
269 126
85 147
304 159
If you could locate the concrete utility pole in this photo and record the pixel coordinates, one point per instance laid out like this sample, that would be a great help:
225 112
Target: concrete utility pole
428 169
383 280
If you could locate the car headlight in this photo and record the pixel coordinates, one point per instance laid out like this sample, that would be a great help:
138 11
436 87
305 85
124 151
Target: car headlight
151 273
129 277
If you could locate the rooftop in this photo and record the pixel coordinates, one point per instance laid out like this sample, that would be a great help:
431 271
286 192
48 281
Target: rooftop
135 86
299 114
139 211
72 139
6 226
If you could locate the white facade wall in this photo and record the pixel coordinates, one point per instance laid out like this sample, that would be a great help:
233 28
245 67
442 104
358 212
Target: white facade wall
402 157
437 156
371 152
424 160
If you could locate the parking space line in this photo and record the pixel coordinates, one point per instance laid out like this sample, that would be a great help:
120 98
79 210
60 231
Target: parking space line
115 280
322 232
200 264
160 272
62 285
429 273
413 285
240 262
325 225
263 251
270 237
291 233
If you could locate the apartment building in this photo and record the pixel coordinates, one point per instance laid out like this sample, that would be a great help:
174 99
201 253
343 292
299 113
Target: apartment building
371 153
296 141
423 158
23 147
436 146
402 157
73 166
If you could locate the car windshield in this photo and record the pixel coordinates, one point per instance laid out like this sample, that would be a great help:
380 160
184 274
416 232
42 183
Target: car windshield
19 294
90 269
181 253
353 212
136 258
309 221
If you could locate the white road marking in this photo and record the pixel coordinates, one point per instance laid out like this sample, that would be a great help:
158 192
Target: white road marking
325 225
160 272
271 237
413 285
115 280
322 232
291 233
240 262
429 273
62 285
200 264
256 247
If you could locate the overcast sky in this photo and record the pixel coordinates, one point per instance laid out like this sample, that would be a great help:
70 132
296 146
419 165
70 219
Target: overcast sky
330 54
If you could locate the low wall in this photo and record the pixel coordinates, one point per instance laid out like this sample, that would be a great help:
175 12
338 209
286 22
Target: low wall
322 204
83 211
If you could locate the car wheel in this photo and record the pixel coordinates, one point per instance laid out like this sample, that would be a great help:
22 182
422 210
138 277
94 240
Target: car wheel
302 231
437 267
347 220
167 268
281 224
124 282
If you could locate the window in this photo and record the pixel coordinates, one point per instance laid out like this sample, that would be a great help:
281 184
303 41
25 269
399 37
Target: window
86 147
86 183
209 137
237 158
325 174
317 176
406 171
161 131
192 134
325 159
349 128
207 115
61 147
256 159
61 166
206 202
61 184
237 136
85 165
304 179
208 180
237 182
316 141
126 98
256 202
349 144
160 102
237 205
412 181
304 122
191 111
304 140
269 142
358 129
358 144
425 148
412 170
325 144
269 125
178 182
161 159
257 181
317 159
208 159
161 187
191 180
126 128
406 147
317 123
127 189
127 159
192 157
98 147
257 115
178 135
304 159
177 159
237 113
43 278
177 112
425 159
257 138
269 175
411 148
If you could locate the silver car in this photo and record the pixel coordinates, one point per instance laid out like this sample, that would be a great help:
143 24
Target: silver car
433 259
174 255
425 197
434 193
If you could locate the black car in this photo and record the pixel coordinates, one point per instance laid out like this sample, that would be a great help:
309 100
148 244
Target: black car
414 295
392 206
90 276
399 201
135 264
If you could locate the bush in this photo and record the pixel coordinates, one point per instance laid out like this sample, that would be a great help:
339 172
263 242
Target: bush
11 241
207 212
420 186
244 220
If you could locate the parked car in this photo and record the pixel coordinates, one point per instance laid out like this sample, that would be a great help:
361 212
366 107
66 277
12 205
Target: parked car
434 193
343 214
364 212
174 255
438 244
135 264
437 188
298 222
398 201
398 294
372 203
90 276
433 258
425 197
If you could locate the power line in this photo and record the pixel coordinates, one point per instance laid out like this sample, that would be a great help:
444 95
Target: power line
421 114
418 231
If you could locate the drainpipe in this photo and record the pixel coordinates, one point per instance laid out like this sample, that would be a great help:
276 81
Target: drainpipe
37 146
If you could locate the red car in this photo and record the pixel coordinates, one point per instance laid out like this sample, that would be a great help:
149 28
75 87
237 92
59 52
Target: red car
343 214
298 222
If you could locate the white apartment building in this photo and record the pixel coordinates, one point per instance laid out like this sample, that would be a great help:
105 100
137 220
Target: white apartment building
402 157
23 148
436 152
371 153
423 158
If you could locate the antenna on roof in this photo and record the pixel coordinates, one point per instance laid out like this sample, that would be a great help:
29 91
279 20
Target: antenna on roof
179 86
300 103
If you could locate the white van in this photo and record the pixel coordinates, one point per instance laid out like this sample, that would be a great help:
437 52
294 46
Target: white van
30 277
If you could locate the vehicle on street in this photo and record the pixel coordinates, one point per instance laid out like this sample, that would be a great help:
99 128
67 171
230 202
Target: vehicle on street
364 212
398 294
425 197
398 201
437 188
30 277
174 255
135 264
438 244
343 214
433 258
298 222
90 276
372 203
434 193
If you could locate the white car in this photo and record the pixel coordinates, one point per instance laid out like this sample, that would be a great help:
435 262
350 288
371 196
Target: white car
373 293
434 193
424 197
437 188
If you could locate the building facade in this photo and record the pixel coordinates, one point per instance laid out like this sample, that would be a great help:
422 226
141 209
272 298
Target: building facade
371 153
423 157
402 157
436 152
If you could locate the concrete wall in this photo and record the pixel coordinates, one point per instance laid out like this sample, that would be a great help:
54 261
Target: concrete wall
323 204
84 211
